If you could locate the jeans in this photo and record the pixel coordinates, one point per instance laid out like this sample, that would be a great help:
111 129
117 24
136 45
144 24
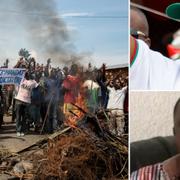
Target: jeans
21 116
34 112
13 110
1 120
52 118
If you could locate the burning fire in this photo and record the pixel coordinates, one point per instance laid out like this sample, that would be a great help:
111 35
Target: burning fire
78 109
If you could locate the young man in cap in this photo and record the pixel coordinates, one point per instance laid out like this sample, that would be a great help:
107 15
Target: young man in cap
150 70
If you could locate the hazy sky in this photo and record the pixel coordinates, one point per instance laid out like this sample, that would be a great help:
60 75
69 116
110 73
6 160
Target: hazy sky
97 30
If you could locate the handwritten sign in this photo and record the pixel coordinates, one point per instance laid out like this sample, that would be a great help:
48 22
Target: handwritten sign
11 76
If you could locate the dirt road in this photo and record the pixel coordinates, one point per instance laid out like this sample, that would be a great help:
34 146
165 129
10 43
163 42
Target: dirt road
14 144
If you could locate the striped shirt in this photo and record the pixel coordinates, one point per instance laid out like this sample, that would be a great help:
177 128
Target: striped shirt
152 172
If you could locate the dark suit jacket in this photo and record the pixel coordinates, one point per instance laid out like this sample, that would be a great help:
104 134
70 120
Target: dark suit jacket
151 151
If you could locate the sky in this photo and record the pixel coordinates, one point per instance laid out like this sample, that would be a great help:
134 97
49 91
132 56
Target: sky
97 30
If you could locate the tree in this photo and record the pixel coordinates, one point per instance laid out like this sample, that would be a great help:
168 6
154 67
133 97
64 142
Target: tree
24 53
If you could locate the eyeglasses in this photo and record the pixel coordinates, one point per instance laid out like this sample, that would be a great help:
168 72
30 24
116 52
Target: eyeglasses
138 34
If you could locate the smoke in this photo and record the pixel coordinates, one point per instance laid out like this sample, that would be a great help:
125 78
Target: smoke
47 32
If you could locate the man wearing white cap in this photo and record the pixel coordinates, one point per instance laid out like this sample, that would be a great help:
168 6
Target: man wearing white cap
150 70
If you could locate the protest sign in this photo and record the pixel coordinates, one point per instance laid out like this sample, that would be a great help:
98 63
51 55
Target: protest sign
11 76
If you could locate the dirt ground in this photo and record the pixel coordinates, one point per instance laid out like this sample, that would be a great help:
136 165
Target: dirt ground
14 144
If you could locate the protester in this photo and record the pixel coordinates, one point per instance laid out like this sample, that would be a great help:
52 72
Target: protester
92 92
101 80
21 63
46 107
1 106
116 105
126 110
51 99
23 101
71 87
9 97
35 107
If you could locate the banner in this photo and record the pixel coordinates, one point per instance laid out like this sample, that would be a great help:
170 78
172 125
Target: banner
11 76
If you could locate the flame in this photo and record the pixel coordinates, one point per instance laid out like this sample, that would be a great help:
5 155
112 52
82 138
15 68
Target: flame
73 114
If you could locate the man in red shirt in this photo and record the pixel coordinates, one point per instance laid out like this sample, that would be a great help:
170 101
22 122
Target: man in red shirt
71 87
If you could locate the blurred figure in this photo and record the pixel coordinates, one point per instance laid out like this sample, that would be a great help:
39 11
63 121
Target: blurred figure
116 105
51 100
92 90
9 97
21 63
35 107
126 110
71 88
23 100
174 47
1 106
101 80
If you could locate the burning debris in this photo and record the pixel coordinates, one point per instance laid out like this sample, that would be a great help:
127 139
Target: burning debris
82 153
85 150
86 144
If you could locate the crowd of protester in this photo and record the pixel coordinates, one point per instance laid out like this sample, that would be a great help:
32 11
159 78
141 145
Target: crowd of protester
118 74
46 96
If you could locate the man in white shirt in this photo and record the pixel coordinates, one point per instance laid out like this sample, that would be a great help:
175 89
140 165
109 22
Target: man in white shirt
115 105
151 70
23 100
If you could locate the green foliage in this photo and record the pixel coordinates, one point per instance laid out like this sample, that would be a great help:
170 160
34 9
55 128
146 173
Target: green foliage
24 53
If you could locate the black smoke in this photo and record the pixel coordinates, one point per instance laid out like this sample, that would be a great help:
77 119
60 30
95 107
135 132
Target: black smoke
46 30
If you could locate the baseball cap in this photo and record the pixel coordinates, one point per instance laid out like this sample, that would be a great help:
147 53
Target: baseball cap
173 11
